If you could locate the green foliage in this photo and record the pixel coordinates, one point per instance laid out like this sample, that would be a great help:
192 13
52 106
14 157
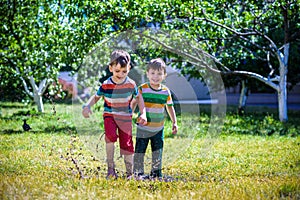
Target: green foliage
244 44
263 126
37 34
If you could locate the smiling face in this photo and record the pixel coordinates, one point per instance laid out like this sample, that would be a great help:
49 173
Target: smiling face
155 77
119 73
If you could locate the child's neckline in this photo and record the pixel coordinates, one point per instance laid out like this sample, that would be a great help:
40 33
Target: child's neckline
159 89
118 83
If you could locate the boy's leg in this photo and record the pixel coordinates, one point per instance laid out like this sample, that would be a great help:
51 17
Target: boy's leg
110 151
157 144
110 138
140 150
128 160
126 144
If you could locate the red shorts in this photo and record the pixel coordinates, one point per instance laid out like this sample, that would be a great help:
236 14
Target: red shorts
121 129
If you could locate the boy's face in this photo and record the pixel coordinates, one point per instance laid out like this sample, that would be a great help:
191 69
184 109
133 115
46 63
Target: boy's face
155 77
119 73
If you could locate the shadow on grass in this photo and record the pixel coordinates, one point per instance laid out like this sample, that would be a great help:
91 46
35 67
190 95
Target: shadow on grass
56 130
27 112
12 105
66 130
11 131
22 114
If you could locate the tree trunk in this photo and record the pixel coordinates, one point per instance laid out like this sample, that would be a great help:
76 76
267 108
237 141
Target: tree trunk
38 93
243 98
282 104
39 102
282 91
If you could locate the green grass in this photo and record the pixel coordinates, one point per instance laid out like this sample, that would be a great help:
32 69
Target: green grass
253 157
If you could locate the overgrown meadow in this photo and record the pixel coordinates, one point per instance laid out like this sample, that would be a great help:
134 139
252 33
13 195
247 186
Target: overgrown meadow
253 156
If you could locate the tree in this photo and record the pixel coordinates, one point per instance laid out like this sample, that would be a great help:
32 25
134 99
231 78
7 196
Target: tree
263 25
40 38
231 31
30 32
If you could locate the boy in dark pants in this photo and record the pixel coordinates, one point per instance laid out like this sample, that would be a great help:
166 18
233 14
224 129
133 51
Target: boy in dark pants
156 97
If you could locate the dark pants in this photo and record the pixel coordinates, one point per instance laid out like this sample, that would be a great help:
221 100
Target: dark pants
157 143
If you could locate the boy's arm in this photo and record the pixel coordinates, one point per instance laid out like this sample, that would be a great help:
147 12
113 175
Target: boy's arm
172 114
133 104
86 111
142 120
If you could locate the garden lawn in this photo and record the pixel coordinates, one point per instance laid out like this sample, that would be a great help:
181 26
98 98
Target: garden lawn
51 162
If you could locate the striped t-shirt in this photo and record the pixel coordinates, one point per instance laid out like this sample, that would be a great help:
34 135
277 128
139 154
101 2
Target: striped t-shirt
117 97
155 102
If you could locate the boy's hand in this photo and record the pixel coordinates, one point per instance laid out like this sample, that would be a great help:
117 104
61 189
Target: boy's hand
86 112
174 128
142 119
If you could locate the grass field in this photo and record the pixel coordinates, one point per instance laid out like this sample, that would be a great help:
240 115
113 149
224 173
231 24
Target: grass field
252 157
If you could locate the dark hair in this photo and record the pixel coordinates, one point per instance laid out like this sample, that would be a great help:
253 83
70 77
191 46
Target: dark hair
120 60
157 64
119 57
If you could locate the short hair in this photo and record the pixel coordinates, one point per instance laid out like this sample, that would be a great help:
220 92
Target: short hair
119 57
157 64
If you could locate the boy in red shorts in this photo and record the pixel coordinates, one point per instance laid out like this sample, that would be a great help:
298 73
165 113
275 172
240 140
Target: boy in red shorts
118 92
